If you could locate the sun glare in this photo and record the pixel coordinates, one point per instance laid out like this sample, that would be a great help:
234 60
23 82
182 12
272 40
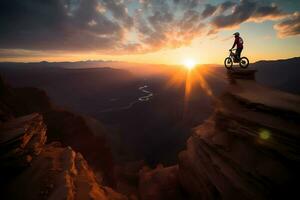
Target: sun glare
192 76
189 64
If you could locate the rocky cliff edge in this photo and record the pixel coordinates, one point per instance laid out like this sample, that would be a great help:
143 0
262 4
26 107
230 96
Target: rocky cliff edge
32 170
249 148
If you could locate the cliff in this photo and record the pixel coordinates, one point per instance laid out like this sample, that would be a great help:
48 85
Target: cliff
32 170
160 183
248 149
69 128
21 140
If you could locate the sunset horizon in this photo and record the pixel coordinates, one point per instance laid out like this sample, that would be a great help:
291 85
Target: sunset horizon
149 99
149 32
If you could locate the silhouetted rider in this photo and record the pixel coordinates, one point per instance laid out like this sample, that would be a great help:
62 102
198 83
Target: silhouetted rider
239 44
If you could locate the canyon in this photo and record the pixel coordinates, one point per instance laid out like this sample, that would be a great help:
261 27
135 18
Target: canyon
249 148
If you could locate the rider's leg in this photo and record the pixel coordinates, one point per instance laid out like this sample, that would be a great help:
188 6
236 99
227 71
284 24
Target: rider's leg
238 53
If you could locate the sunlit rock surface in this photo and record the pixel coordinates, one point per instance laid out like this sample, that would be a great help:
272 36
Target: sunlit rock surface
248 149
59 173
83 134
21 140
30 169
48 172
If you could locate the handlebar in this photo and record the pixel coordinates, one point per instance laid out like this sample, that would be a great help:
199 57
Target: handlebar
232 49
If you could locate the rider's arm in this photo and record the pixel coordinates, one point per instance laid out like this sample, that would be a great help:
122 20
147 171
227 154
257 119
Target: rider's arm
235 43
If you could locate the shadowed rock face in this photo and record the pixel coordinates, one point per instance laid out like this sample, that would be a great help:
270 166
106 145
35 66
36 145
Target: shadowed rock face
64 126
248 149
160 183
30 170
21 140
59 173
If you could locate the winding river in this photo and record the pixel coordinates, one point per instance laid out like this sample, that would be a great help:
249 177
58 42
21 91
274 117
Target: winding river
146 97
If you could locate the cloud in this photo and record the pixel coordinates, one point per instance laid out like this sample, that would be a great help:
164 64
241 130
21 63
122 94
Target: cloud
162 28
56 25
208 11
97 25
19 53
225 6
245 11
188 3
125 26
289 27
119 11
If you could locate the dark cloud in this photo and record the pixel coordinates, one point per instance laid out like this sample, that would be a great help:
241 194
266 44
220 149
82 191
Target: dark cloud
119 11
188 3
225 6
56 25
289 26
163 29
208 11
244 11
108 27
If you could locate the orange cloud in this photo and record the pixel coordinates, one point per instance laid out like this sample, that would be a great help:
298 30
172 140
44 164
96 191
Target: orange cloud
246 11
289 27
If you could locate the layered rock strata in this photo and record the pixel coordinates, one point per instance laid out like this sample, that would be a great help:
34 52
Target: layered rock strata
21 140
248 149
32 170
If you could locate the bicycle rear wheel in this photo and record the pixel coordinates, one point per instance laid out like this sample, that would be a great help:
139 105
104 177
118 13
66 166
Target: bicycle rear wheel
244 62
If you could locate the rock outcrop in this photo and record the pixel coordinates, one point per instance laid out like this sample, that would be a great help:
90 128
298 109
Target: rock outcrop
21 140
39 171
30 168
248 149
160 184
69 128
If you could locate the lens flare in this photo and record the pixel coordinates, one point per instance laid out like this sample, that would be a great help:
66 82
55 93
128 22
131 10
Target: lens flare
189 64
264 134
192 80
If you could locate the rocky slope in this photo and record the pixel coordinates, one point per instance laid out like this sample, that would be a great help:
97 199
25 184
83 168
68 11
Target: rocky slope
160 184
248 149
67 127
21 140
32 170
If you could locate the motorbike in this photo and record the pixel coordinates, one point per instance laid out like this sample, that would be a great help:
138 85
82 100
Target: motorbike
232 58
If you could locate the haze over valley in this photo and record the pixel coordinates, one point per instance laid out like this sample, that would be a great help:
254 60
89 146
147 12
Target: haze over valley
112 96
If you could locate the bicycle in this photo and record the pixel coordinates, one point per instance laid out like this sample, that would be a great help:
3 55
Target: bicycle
243 61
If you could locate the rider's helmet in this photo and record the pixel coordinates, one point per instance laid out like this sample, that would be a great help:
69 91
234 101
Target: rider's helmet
236 34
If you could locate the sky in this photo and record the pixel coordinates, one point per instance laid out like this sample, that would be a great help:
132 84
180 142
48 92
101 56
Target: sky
147 31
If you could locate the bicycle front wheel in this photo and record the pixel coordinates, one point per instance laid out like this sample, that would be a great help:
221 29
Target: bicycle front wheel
228 63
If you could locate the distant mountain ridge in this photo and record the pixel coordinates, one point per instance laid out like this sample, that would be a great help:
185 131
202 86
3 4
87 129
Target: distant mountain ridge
281 74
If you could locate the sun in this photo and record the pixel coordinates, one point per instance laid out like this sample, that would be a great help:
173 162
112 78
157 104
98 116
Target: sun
189 64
